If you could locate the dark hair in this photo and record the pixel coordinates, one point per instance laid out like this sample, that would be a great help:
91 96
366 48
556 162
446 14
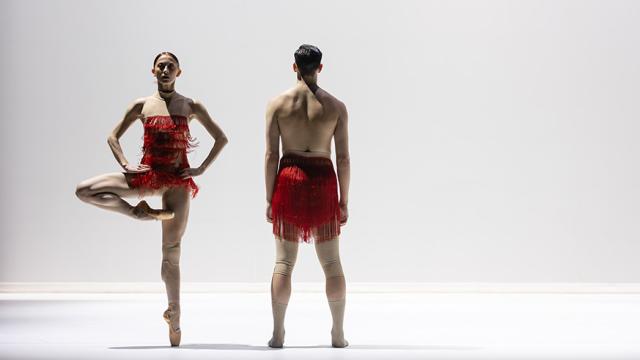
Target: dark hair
165 53
308 58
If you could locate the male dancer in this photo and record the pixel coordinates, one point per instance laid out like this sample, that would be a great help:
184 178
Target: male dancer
302 193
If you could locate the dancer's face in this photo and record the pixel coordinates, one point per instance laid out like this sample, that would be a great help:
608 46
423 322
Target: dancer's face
166 70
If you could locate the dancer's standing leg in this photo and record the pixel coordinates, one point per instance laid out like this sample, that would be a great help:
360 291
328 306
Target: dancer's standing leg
286 255
335 287
177 200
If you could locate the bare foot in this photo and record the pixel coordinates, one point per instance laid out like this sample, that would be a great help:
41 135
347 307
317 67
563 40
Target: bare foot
338 340
277 340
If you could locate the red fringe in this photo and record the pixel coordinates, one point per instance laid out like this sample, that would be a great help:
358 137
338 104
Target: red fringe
166 143
304 206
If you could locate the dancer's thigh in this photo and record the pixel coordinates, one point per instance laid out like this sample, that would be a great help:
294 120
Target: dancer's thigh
116 183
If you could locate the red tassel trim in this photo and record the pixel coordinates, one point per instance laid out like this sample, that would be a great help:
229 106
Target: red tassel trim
304 206
166 142
154 180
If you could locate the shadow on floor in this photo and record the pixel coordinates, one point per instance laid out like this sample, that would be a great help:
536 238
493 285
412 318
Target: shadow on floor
266 348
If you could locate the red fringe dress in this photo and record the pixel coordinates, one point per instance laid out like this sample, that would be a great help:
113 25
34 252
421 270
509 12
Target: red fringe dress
166 143
304 205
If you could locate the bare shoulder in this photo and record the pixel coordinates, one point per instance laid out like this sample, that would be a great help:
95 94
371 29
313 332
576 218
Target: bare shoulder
278 101
331 99
193 103
182 99
194 106
135 107
341 107
140 101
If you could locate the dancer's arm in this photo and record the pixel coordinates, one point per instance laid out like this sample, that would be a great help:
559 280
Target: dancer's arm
272 154
343 162
220 139
132 113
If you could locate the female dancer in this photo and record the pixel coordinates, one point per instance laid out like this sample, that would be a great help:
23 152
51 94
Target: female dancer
164 171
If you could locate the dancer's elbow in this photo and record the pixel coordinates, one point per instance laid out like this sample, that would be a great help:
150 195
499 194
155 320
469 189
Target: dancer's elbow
222 140
343 160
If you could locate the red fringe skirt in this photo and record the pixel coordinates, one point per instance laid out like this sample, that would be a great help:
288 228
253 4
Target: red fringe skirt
155 179
304 205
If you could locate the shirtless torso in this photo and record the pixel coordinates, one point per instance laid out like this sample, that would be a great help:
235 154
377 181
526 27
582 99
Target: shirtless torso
307 121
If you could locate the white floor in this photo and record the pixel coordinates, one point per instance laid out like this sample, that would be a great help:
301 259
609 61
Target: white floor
378 325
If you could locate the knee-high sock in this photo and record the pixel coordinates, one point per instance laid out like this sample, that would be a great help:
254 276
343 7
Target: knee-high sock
286 255
337 314
329 256
279 311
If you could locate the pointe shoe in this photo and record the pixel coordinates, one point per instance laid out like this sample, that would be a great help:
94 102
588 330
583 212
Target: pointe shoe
175 335
143 207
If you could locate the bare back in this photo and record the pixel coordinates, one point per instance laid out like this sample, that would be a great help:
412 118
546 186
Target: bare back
307 121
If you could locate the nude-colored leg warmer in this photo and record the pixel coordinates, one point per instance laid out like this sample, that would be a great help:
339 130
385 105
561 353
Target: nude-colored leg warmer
286 255
329 256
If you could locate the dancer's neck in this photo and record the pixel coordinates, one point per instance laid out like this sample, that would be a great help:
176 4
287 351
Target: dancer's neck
311 83
166 92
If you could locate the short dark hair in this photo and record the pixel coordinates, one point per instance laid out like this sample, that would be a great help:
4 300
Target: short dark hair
165 53
308 58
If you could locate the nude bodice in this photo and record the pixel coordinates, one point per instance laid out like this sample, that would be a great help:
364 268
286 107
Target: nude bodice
177 105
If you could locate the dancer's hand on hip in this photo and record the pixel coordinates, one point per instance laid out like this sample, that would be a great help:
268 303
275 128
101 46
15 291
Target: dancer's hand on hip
190 172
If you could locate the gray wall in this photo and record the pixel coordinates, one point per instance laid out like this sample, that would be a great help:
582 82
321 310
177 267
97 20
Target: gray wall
492 141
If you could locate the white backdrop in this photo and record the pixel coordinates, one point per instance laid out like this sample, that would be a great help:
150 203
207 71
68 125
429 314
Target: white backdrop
491 141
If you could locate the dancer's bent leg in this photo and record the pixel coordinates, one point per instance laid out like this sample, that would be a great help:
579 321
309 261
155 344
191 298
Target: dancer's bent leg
107 192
